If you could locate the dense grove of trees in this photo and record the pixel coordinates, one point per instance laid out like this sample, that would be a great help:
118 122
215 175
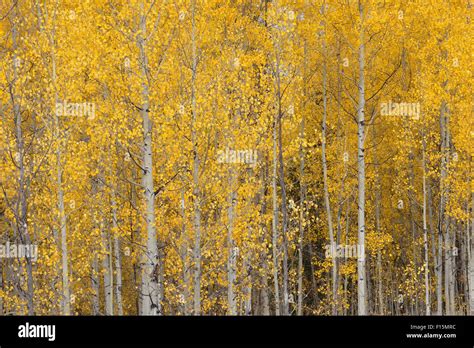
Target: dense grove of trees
243 157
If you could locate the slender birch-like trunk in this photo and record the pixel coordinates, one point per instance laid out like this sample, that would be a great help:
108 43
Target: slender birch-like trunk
151 296
275 243
361 272
439 271
451 229
118 276
196 160
470 248
64 248
378 207
327 202
425 234
284 210
118 258
22 206
443 225
95 284
447 270
247 266
439 255
452 264
2 284
301 225
108 274
433 233
184 257
263 254
281 169
232 258
66 296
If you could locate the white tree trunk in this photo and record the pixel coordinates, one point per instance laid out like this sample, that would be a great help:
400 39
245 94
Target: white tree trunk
22 206
301 223
439 273
196 189
452 266
447 271
118 265
325 184
263 254
275 243
248 261
378 202
184 258
108 275
1 286
470 248
64 250
361 273
443 221
278 129
66 296
151 296
95 283
232 257
117 255
425 235
248 283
